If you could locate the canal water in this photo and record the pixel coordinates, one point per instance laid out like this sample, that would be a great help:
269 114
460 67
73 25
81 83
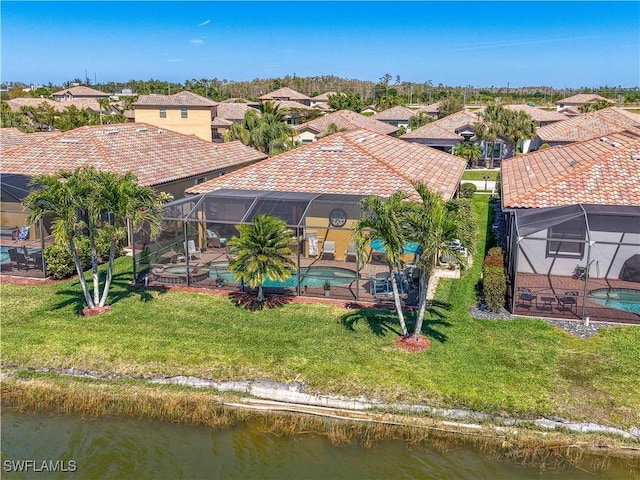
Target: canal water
123 448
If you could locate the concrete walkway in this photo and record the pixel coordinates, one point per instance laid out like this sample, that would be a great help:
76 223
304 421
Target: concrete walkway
491 185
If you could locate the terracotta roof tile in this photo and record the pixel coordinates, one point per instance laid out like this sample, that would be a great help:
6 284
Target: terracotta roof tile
80 91
154 155
583 98
59 105
589 125
234 111
600 171
444 128
358 162
285 93
12 138
538 114
397 113
181 99
349 120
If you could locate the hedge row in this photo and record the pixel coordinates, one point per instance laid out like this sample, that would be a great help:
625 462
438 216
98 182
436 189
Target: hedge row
494 279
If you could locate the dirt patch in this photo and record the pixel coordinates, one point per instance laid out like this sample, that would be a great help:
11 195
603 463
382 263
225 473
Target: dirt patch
412 345
92 312
16 280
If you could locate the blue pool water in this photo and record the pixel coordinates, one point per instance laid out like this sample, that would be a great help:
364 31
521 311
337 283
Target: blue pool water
625 299
4 253
409 248
311 277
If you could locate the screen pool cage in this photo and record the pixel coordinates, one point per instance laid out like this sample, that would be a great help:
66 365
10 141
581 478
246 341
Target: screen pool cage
575 262
192 246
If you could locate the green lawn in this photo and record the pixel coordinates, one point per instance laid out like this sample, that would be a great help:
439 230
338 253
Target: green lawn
480 174
520 367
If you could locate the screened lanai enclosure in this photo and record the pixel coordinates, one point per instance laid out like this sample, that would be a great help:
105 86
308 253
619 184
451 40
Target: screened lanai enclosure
575 262
192 246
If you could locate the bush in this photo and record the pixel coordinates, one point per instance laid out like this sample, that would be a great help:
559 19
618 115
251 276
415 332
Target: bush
494 281
467 190
59 261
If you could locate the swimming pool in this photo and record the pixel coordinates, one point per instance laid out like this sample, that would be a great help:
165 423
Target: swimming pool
310 277
4 253
625 299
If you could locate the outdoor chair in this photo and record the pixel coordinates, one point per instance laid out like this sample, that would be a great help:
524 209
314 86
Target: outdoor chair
18 259
214 242
351 254
329 250
33 259
568 301
525 297
379 284
191 250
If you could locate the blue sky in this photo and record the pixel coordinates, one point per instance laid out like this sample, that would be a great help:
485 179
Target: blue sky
559 44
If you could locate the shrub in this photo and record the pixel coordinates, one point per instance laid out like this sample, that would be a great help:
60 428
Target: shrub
494 282
467 190
59 261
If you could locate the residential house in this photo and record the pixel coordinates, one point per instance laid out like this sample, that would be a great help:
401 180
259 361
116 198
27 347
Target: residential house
586 126
183 112
322 100
227 113
165 160
571 105
539 116
344 120
79 91
573 222
397 116
286 94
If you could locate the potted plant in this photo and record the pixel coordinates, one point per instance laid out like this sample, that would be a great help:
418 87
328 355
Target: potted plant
327 287
219 281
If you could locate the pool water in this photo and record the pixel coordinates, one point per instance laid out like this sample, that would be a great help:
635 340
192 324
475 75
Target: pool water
625 299
311 277
4 253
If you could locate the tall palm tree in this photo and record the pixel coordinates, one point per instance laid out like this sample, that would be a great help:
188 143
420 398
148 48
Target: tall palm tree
384 219
261 252
471 152
490 126
519 126
78 200
104 104
431 222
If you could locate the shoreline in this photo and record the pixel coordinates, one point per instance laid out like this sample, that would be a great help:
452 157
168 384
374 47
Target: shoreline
191 400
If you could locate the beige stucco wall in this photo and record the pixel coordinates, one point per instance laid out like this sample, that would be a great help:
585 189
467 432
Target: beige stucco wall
198 121
306 137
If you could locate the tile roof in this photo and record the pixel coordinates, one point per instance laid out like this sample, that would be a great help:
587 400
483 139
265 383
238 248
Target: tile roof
80 91
582 98
604 171
154 155
81 103
234 111
358 162
323 97
181 99
12 138
397 113
348 120
444 128
589 125
293 105
286 93
538 114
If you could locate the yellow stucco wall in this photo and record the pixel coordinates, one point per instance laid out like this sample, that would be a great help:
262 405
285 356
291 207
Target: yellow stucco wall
198 121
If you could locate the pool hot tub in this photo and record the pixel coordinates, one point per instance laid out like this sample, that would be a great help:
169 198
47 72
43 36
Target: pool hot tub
178 275
626 299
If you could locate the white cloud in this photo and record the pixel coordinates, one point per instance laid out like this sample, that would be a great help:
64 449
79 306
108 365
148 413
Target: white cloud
196 41
176 60
206 22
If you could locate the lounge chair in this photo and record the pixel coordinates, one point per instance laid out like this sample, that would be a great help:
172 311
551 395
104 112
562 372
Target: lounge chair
18 259
379 284
525 297
329 250
191 250
351 255
568 301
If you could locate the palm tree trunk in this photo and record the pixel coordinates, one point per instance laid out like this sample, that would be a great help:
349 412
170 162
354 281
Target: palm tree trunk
94 268
107 281
260 297
83 281
396 298
422 303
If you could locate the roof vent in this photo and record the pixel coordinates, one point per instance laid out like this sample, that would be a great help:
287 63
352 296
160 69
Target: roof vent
635 156
160 131
112 131
616 144
604 139
572 163
143 129
69 140
334 148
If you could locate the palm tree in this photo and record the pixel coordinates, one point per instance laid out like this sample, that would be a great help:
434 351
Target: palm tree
431 222
420 119
471 152
519 126
261 252
490 126
78 200
383 219
333 128
104 104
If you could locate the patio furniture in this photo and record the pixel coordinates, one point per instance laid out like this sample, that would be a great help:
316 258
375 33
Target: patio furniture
191 250
24 233
568 301
18 258
328 250
525 297
351 254
379 284
34 259
547 303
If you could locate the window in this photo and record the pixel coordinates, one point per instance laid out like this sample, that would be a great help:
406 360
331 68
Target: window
183 112
199 180
573 230
494 150
163 112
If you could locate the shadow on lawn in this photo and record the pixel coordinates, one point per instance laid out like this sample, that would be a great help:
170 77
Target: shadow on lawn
120 289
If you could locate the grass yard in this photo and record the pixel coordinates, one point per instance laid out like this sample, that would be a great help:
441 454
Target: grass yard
480 174
522 367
